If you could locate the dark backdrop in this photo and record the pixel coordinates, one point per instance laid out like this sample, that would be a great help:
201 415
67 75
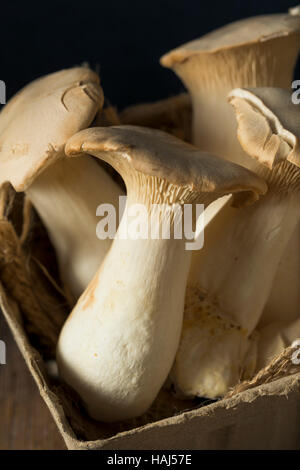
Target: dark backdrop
125 38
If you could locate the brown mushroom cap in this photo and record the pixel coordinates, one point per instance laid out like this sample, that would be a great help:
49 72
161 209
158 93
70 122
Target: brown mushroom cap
156 153
268 124
38 120
250 30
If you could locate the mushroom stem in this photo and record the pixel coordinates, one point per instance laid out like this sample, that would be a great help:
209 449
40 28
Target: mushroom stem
248 237
224 305
66 196
139 291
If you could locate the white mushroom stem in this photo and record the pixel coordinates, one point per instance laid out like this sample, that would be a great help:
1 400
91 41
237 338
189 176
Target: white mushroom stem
254 239
224 305
135 304
120 341
66 196
228 287
139 292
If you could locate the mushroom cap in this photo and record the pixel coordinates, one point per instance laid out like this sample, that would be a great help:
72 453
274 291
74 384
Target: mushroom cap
156 153
250 30
38 120
268 124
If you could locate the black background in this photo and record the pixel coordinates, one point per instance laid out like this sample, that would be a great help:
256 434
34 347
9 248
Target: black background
124 38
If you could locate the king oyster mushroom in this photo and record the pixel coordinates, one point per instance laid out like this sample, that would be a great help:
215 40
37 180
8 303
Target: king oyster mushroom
223 306
258 51
34 127
119 343
254 52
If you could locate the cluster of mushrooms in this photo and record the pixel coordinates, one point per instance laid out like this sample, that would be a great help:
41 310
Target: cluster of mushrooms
151 314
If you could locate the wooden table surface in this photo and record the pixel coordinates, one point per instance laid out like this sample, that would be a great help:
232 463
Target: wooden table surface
25 422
